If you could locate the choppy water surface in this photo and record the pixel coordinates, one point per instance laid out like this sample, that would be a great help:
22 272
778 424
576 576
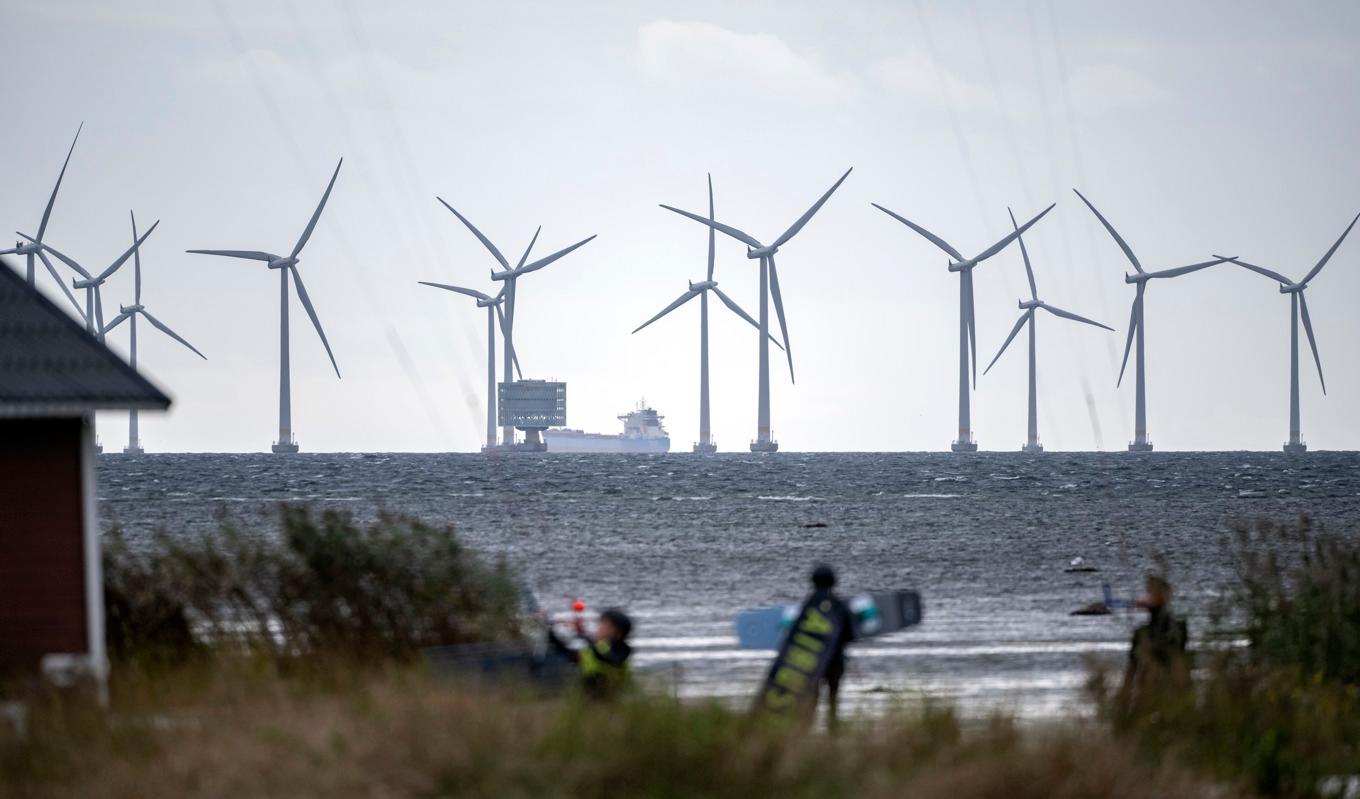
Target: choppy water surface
684 542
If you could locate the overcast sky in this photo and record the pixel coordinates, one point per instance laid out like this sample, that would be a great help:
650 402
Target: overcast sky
1196 128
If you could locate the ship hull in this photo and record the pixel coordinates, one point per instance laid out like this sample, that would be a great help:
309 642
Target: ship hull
597 443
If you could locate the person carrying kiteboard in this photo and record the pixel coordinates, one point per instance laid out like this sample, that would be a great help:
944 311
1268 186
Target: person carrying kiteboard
603 661
813 653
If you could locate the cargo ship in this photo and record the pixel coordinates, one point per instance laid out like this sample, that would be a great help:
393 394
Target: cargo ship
642 433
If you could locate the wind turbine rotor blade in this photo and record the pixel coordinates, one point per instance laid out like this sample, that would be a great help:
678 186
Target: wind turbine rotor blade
1312 273
505 332
1013 235
136 263
1069 315
98 309
117 320
779 313
113 267
1134 320
47 212
1019 323
1029 271
712 232
307 305
525 256
740 236
931 237
1312 342
161 326
542 262
253 255
495 253
457 289
1185 270
311 224
52 270
736 309
684 298
817 206
63 258
1123 245
1261 270
971 320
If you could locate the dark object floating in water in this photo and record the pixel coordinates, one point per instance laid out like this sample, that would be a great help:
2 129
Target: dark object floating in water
1093 609
811 525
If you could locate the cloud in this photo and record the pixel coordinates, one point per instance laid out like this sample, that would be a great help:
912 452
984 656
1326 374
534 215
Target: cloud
694 56
1109 87
917 76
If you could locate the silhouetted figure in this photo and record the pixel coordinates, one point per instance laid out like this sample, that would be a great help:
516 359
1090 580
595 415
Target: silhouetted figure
823 581
604 660
1158 661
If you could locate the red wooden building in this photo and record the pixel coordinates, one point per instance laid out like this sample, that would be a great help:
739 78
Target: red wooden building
53 377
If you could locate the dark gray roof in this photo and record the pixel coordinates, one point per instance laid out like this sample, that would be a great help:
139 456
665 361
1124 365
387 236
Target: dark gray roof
49 365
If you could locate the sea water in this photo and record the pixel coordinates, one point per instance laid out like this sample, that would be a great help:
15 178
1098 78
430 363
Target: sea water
684 542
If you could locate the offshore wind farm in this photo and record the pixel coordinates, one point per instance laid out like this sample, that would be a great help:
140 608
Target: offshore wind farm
936 376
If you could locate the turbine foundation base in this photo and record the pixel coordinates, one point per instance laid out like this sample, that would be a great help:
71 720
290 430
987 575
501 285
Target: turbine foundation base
764 446
133 449
963 446
1032 449
1140 446
1295 448
285 447
706 449
520 446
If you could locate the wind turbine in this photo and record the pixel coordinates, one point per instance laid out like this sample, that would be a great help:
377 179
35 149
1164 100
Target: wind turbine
769 288
1298 306
705 445
510 276
493 312
286 265
1140 278
94 302
34 247
130 313
967 320
1028 307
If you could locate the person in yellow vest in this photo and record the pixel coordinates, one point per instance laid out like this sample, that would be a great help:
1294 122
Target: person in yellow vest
603 660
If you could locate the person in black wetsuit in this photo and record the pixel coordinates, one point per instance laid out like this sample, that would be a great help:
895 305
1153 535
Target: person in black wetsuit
823 581
1158 661
604 660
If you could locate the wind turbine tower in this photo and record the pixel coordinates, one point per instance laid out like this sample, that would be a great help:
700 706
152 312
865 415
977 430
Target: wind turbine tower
967 320
1298 308
769 290
1141 442
705 444
289 265
1027 318
130 314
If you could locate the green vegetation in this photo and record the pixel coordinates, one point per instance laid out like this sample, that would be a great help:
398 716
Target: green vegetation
1283 712
289 666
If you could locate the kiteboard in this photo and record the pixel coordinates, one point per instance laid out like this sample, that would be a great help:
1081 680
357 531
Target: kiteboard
873 614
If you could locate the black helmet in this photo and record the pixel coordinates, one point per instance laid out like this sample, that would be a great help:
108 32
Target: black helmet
823 577
620 621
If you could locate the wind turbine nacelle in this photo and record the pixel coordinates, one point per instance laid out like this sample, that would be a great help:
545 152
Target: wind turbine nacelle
508 273
282 263
1292 288
1026 305
760 252
488 303
1141 277
961 266
130 308
702 285
80 283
